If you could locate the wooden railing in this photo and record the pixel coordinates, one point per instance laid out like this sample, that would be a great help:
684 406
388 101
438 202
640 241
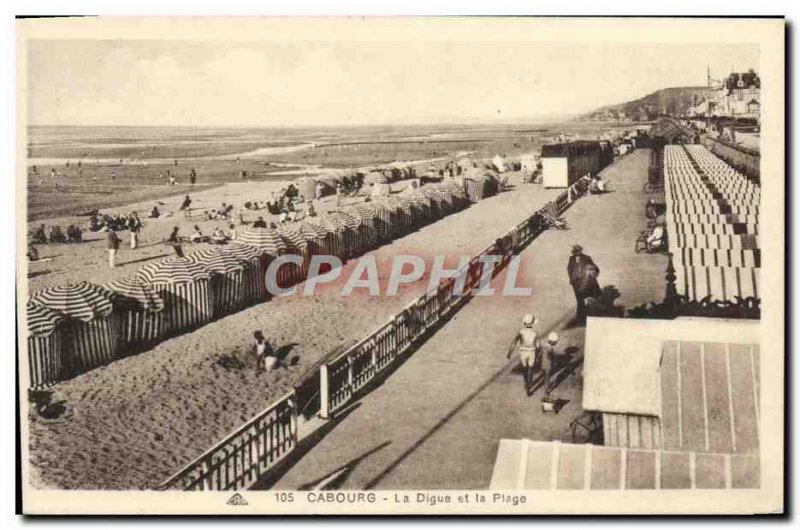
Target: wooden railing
243 457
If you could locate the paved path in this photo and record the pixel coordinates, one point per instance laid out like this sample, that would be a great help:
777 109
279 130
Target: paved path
437 421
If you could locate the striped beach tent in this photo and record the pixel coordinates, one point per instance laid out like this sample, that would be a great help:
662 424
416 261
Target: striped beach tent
358 223
459 194
185 287
91 326
298 245
255 268
333 233
317 237
335 223
141 310
370 217
227 281
45 365
402 216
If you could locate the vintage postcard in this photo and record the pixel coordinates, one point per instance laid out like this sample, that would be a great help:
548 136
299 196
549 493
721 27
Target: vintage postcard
401 265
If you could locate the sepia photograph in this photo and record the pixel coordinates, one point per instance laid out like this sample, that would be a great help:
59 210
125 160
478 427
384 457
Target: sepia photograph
400 265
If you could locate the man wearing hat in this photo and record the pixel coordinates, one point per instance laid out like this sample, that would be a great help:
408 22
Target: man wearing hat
576 269
528 347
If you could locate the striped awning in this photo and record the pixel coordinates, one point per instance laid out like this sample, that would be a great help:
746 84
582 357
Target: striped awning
365 210
173 270
137 293
266 239
41 320
83 300
216 261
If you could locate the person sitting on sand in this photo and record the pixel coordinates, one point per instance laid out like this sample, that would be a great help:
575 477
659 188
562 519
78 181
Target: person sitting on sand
56 235
232 234
74 234
260 223
39 235
197 235
265 355
154 213
218 236
172 180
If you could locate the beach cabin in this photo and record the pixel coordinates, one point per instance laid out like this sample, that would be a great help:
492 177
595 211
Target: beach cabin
563 164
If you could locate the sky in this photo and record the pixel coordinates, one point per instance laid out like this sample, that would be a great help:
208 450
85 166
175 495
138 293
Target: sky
196 83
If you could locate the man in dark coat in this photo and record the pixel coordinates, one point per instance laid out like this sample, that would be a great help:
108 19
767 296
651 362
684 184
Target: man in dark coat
581 285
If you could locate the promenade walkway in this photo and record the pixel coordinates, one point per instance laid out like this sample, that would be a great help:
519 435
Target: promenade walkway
437 420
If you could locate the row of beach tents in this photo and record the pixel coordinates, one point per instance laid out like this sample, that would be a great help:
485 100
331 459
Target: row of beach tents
80 326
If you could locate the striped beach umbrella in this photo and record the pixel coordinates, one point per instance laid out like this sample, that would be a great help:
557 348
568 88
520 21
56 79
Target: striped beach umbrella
369 222
135 293
141 310
173 270
266 239
292 237
186 289
45 365
318 237
82 301
91 326
227 287
241 251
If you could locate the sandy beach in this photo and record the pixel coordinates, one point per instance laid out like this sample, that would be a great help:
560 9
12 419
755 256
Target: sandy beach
141 418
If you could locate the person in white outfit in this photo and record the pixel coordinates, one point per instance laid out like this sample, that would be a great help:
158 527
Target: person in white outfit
528 348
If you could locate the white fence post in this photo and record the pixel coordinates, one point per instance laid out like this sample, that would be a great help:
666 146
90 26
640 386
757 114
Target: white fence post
324 393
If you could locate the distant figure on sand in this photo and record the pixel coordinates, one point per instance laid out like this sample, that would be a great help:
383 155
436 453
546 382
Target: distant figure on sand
260 223
154 213
265 355
192 176
175 241
134 226
112 244
528 348
185 204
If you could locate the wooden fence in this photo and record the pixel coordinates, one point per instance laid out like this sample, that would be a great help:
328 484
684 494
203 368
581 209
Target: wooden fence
242 458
